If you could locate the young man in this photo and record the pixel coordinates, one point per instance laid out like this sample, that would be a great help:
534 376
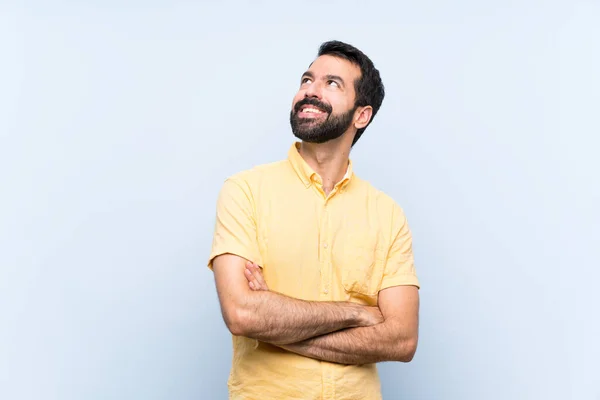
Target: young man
313 266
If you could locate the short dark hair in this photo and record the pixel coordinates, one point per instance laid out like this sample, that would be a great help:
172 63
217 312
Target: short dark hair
369 87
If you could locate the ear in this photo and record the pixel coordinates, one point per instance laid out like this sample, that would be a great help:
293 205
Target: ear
363 117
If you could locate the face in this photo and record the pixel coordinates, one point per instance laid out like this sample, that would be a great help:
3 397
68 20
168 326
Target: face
323 109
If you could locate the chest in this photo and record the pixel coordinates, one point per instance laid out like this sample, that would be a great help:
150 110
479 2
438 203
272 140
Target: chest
322 249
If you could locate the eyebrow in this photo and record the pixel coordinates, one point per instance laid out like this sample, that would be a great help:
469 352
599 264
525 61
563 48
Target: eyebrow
308 74
338 78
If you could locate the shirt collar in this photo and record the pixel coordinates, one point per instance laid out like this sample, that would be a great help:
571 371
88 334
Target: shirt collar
306 174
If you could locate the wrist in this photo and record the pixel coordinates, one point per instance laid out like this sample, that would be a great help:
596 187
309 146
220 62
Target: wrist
359 315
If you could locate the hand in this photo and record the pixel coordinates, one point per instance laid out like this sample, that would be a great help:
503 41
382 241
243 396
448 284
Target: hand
255 277
372 316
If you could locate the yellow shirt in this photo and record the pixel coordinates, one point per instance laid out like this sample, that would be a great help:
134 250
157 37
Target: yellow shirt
346 246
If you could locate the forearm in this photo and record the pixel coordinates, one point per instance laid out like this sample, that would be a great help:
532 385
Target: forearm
278 319
363 345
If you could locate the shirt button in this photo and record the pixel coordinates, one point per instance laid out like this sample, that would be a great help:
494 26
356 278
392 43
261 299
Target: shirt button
325 291
325 245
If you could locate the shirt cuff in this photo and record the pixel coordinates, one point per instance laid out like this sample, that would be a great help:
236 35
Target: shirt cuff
238 251
400 280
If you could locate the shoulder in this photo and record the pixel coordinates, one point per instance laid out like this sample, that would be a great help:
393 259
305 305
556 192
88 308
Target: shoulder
384 201
383 208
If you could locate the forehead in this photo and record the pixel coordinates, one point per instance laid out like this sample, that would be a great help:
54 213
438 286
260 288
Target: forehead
331 65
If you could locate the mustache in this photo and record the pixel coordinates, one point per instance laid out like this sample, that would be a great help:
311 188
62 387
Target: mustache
311 101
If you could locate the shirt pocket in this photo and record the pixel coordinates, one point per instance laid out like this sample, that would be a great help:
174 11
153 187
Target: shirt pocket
363 269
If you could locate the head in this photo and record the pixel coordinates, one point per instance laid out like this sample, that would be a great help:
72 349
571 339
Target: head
340 93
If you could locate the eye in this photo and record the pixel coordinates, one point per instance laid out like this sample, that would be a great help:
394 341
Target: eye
305 80
333 83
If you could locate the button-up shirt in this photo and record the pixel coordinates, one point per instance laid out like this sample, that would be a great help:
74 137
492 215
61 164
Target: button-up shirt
343 246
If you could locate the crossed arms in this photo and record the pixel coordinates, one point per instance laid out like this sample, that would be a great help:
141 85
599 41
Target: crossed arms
340 332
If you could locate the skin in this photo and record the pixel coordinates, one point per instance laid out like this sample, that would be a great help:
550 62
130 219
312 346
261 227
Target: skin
395 339
330 159
277 319
340 332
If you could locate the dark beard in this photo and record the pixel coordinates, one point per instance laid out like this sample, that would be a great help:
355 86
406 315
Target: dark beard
312 131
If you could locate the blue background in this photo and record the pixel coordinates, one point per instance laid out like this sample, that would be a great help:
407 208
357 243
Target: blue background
119 122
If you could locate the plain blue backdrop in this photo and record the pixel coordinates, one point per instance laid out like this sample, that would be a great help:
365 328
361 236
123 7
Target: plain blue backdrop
119 122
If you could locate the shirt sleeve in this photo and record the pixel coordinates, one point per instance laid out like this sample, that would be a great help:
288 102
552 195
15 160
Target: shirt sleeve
235 227
400 264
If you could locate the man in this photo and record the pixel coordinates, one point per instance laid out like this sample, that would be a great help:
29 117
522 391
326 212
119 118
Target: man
313 266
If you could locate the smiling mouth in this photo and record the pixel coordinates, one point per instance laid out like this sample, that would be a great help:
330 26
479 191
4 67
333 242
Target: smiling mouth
310 111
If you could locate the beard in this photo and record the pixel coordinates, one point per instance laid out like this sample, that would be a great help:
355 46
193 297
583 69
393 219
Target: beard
313 131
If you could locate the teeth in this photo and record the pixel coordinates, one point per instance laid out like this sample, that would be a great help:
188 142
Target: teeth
311 110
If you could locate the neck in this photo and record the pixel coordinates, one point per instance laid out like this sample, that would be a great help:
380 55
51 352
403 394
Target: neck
329 160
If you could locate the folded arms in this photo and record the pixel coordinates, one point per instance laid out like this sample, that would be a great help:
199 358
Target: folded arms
341 332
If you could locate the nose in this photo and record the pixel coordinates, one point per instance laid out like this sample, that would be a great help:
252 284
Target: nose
314 90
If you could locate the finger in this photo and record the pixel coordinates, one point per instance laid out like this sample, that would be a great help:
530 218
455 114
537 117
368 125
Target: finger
253 265
255 268
248 274
258 275
256 271
260 278
251 279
